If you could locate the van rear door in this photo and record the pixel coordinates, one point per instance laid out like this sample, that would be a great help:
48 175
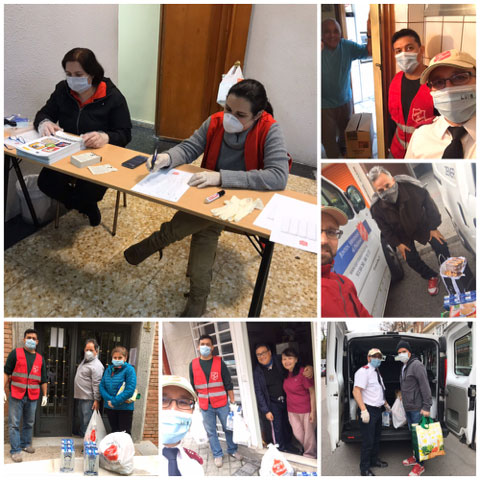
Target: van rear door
460 391
335 382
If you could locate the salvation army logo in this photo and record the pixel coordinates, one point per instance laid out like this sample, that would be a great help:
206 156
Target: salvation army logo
362 231
442 56
35 369
419 115
214 375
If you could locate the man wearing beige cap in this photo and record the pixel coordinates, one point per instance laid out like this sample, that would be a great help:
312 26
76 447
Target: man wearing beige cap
451 77
369 393
178 403
339 295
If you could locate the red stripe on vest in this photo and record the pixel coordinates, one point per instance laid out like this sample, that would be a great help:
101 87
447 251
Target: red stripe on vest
215 377
420 113
21 368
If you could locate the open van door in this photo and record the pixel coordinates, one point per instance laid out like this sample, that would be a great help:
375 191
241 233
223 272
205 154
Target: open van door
460 383
335 382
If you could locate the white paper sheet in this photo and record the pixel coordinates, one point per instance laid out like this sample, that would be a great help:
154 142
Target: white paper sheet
165 184
291 221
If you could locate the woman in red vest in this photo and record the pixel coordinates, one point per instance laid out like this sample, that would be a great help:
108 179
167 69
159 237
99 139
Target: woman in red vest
243 147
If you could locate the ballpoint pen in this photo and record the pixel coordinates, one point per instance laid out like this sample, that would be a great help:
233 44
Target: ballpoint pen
154 158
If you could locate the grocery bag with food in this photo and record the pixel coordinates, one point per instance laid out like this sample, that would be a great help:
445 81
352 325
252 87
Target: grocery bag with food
427 439
274 463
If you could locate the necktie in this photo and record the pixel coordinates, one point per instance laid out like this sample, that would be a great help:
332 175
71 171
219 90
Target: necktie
171 455
455 149
380 382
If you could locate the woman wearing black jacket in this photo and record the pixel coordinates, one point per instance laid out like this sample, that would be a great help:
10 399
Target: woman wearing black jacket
86 104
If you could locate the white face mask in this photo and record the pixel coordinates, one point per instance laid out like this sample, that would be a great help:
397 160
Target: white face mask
78 84
407 62
89 356
231 123
402 357
457 104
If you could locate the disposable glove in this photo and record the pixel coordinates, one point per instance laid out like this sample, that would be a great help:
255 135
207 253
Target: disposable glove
205 179
388 408
162 161
365 416
47 127
235 209
95 139
44 400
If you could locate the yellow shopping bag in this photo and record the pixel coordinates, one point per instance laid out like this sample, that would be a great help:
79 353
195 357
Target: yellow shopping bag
427 438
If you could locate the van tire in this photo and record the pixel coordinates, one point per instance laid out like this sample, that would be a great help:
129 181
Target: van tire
393 262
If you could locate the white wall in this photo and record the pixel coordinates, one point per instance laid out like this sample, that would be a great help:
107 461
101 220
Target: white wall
138 31
36 39
177 338
282 54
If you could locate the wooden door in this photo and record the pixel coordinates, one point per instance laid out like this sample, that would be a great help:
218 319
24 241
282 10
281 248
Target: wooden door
198 43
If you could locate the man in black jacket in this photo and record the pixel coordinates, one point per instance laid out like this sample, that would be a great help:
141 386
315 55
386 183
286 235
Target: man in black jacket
405 213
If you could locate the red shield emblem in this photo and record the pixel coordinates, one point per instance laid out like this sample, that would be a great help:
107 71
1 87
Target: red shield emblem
442 56
419 115
363 231
214 375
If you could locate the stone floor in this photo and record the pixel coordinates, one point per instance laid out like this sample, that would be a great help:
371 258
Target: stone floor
80 271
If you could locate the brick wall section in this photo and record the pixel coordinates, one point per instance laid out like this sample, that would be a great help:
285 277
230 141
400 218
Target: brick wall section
7 348
150 429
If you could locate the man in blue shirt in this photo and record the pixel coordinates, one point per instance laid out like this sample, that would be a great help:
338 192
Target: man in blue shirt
337 57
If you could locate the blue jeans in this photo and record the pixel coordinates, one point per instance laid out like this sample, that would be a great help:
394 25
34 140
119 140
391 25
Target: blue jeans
413 416
84 414
210 424
19 410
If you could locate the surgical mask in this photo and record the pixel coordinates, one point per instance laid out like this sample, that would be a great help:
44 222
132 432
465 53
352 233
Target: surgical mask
391 194
89 356
175 426
456 104
205 350
375 362
407 62
231 123
118 363
31 344
402 357
78 84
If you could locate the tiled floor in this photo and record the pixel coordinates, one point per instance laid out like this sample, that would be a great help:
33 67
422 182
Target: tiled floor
80 271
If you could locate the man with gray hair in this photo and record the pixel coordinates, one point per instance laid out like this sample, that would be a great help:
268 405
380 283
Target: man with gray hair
405 213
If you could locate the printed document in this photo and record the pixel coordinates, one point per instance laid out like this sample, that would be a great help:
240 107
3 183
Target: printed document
165 184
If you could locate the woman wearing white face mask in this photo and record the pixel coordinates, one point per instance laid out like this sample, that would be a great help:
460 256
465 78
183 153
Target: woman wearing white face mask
88 104
86 384
243 147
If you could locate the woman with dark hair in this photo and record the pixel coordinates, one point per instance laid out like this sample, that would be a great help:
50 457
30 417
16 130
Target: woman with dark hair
88 104
301 404
242 147
117 388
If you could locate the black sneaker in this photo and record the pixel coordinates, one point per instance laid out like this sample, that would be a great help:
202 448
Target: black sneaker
367 473
93 214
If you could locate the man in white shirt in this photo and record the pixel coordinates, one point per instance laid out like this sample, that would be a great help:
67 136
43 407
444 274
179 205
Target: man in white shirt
451 77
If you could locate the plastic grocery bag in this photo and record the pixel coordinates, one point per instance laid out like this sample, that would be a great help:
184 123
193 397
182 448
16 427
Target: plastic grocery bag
117 452
241 433
233 76
399 418
229 423
274 463
96 429
427 439
197 430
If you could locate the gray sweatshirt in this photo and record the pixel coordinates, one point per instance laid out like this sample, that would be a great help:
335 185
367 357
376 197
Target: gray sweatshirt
231 162
416 393
87 380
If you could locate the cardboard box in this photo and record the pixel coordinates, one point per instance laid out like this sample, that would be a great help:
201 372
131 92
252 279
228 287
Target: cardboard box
359 136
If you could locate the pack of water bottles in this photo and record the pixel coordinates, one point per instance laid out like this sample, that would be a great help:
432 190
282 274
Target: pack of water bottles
90 458
67 455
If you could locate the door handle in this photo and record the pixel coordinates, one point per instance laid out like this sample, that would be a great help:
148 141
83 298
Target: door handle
379 65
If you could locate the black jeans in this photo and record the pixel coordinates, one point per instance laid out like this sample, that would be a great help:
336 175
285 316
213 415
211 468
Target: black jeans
370 438
120 420
281 425
71 191
415 262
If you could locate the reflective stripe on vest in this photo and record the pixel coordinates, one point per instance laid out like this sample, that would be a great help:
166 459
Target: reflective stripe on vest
22 381
213 392
406 128
402 143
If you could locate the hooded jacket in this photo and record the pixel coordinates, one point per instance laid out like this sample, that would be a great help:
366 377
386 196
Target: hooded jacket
416 393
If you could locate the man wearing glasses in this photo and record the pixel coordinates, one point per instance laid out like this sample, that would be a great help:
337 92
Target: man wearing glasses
178 402
339 295
451 77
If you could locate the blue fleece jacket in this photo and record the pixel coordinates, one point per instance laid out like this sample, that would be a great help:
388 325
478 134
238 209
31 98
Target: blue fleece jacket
112 380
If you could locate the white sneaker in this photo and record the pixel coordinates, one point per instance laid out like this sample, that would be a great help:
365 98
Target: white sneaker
218 461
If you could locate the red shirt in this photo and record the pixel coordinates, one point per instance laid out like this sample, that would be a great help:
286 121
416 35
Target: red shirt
100 92
298 396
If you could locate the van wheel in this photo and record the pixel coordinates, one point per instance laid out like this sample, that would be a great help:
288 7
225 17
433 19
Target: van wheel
393 262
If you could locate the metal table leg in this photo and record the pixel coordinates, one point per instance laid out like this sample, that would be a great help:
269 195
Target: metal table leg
115 216
262 276
6 174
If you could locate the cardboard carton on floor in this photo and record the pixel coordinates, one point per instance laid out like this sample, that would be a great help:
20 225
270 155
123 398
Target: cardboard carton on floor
359 135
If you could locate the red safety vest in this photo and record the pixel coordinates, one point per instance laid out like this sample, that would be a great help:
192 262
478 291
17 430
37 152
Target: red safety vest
214 391
420 113
22 381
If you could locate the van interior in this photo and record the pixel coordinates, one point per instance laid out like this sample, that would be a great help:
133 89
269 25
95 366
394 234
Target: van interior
426 349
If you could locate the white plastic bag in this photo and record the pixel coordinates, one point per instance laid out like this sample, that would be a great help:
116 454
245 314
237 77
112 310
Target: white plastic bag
117 452
229 423
197 430
274 463
233 76
241 433
399 416
96 429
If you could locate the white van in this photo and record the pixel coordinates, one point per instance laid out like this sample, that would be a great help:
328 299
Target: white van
457 183
362 256
450 362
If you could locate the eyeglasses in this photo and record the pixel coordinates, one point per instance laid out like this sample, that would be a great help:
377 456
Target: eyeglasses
261 354
456 80
182 403
17 138
332 234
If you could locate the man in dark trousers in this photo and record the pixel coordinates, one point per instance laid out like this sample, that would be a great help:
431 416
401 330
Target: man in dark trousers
26 374
405 213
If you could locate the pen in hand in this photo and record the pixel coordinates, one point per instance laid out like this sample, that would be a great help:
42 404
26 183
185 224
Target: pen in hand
154 158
